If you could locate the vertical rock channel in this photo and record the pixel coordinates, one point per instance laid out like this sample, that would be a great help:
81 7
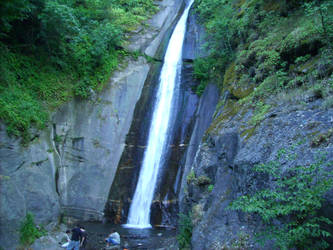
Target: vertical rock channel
139 214
190 117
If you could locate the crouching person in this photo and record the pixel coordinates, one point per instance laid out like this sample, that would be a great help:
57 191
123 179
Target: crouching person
113 239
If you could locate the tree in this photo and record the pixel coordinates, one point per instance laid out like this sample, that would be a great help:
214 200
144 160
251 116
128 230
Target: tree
295 197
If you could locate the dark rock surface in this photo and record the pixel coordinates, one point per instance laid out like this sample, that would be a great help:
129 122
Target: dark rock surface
194 40
191 117
227 155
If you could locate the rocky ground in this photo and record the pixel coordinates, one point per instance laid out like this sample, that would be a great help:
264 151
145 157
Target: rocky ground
162 238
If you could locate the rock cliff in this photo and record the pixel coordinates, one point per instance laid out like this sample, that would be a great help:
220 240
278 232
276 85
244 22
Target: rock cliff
68 168
255 120
227 156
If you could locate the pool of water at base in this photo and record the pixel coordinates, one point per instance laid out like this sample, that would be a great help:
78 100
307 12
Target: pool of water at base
150 238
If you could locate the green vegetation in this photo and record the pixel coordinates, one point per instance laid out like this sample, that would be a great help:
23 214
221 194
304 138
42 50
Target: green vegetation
241 242
322 138
52 50
260 110
29 231
185 231
262 48
295 196
210 188
191 177
203 180
202 72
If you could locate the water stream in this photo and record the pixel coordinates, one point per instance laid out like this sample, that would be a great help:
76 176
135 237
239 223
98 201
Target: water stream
139 213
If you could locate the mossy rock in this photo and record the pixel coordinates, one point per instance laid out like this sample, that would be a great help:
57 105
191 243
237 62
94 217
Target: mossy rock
238 88
191 178
322 139
230 75
247 132
242 91
301 41
308 66
230 109
203 180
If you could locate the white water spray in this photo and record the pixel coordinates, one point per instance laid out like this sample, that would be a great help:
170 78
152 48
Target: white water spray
139 214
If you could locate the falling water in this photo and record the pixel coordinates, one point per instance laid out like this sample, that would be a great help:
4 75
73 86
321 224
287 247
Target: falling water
139 214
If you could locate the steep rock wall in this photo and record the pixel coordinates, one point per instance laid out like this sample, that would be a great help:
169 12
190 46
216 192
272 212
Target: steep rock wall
227 155
92 139
68 168
27 183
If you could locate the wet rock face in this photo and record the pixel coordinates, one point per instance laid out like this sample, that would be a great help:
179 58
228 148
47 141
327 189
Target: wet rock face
152 42
227 156
27 183
195 38
193 48
92 141
192 117
127 174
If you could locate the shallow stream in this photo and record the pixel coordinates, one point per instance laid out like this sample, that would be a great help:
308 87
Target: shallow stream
150 238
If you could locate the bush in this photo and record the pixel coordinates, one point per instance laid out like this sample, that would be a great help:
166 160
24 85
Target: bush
320 10
259 113
29 232
210 188
71 49
191 177
294 198
185 231
203 180
21 110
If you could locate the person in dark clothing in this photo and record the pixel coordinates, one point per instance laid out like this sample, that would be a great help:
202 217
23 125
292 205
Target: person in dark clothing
75 240
84 236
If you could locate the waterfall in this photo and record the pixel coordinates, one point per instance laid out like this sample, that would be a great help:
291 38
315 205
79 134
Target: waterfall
139 213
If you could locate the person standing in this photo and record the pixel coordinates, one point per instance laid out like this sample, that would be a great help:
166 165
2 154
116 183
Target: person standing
84 236
75 240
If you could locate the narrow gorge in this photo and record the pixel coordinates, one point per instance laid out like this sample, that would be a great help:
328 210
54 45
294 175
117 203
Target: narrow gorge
215 129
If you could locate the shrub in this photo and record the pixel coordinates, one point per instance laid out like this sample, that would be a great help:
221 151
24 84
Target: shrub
203 71
71 49
203 180
259 113
191 177
210 188
29 232
21 110
185 231
320 10
294 198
